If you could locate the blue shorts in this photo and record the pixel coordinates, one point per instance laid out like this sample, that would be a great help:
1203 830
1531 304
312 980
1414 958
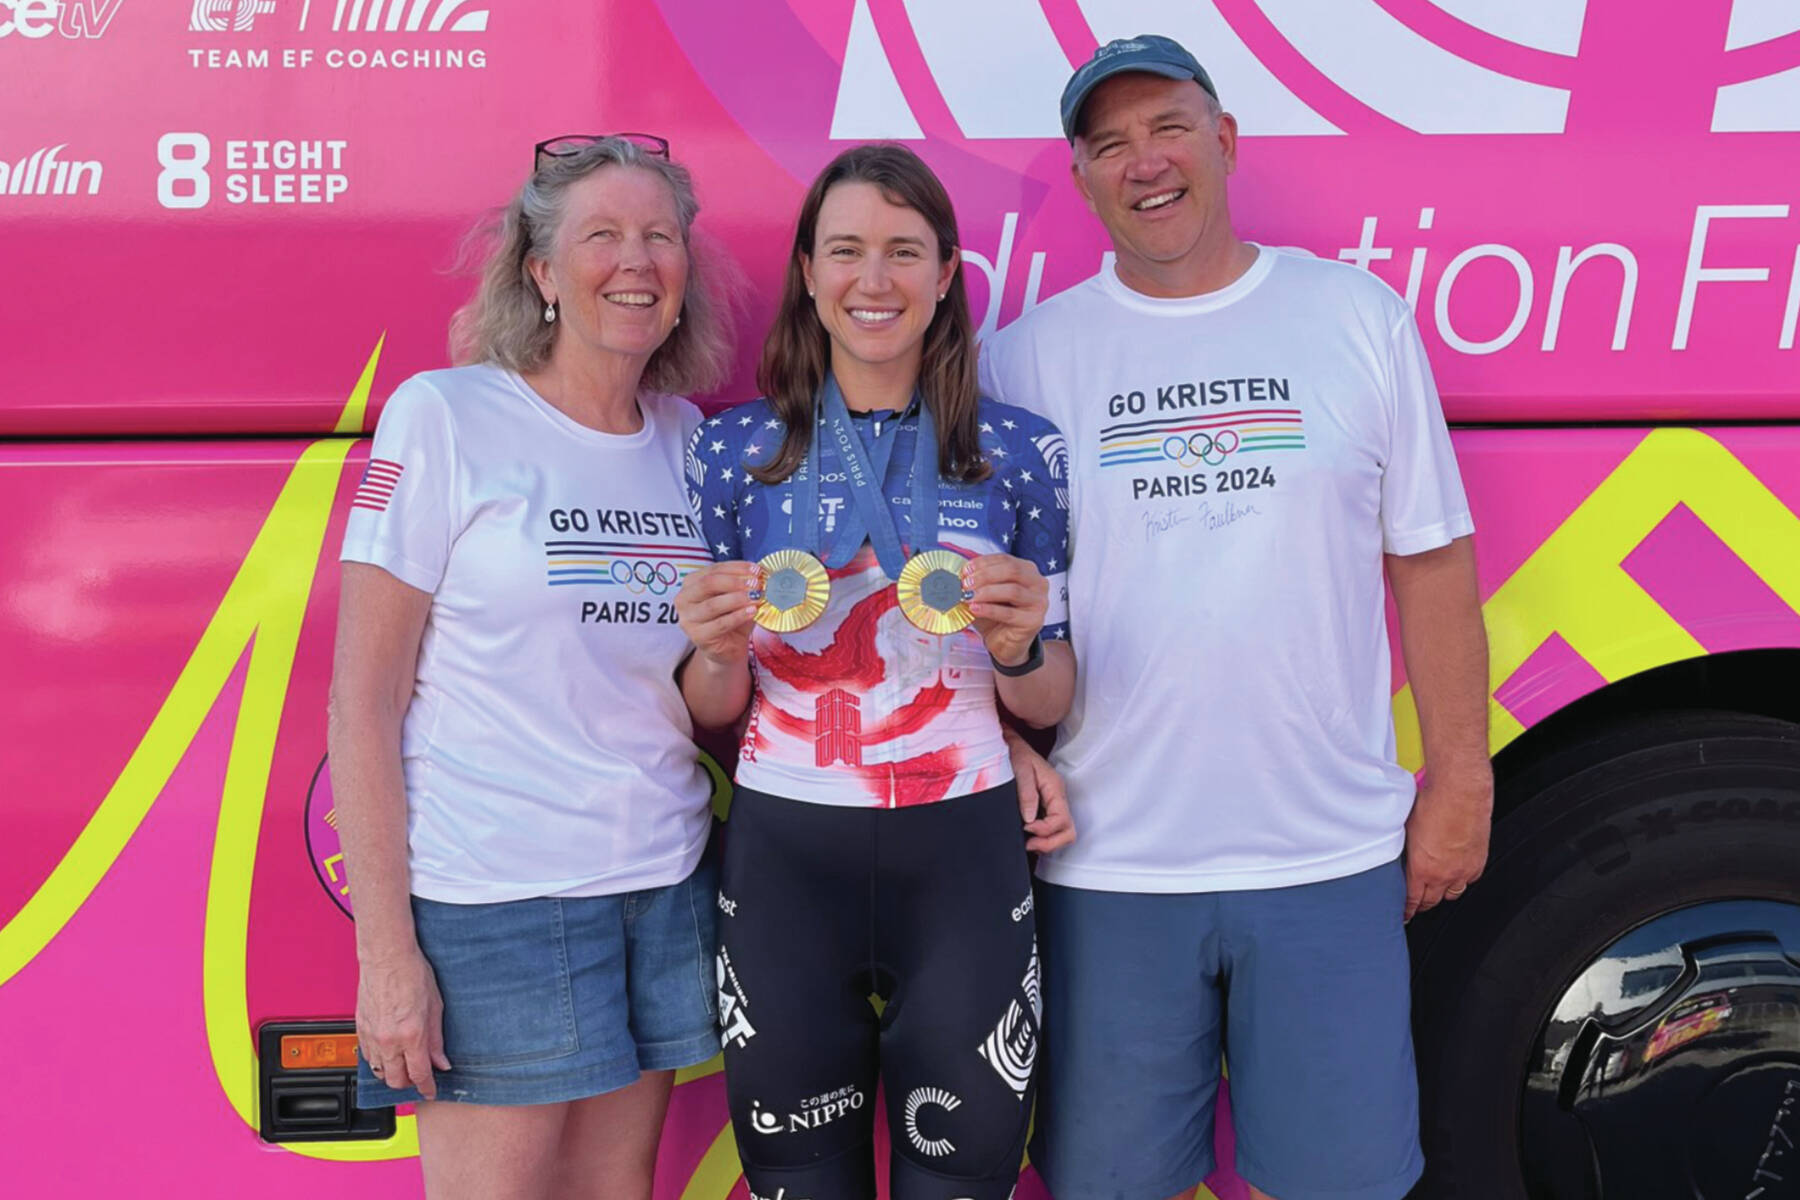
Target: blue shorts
1324 1095
550 1000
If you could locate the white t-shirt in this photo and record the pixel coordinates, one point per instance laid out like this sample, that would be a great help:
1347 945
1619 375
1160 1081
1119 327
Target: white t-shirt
547 750
1240 462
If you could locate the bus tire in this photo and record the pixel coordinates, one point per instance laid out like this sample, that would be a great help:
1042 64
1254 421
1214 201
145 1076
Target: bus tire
1597 840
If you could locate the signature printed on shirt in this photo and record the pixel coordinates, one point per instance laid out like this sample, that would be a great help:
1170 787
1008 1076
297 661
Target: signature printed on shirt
1211 517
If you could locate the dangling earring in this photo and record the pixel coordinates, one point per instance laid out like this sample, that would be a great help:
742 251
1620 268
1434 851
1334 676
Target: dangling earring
550 313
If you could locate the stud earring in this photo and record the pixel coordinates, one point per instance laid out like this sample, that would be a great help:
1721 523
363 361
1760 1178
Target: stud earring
550 313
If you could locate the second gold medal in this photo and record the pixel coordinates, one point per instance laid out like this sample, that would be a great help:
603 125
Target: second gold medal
931 592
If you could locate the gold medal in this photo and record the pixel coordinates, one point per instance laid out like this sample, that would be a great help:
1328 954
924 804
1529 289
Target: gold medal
795 590
932 594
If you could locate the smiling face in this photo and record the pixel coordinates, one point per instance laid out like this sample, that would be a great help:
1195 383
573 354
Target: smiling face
618 270
876 274
1152 161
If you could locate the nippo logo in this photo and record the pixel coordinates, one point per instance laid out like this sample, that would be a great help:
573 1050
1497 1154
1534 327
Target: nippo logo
220 16
404 16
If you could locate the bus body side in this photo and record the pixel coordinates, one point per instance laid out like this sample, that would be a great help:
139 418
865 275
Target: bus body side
228 231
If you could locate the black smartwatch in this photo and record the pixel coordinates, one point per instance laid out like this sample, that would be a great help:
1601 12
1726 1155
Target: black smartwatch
1034 658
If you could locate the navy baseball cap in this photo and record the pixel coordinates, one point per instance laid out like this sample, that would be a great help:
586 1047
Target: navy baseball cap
1147 52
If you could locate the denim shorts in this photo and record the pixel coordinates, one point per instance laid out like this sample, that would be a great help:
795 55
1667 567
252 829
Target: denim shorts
549 1000
1303 990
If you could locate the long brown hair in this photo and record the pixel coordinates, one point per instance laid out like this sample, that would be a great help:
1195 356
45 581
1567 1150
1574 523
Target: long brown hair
797 354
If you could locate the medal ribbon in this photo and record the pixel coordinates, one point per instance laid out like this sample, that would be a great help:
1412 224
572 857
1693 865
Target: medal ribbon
865 480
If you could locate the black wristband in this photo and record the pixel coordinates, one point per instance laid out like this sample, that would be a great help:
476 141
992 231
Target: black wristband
1034 658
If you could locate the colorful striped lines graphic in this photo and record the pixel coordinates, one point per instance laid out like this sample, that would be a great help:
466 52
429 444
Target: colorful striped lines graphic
376 488
1191 441
654 567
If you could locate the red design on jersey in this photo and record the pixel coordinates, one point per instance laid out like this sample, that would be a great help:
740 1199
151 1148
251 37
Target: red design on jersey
838 725
912 716
850 662
923 779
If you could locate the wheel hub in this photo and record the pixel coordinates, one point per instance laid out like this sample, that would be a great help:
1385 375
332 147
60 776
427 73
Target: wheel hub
1671 1066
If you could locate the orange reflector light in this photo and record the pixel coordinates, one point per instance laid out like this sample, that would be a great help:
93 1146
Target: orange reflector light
318 1051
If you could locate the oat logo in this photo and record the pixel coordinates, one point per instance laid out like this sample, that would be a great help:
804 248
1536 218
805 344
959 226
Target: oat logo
43 173
734 1016
235 16
920 1098
73 19
405 16
1429 76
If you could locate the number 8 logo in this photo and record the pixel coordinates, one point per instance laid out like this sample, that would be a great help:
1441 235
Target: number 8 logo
184 168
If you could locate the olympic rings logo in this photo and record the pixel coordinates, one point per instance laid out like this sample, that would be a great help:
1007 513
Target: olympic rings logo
659 579
1197 448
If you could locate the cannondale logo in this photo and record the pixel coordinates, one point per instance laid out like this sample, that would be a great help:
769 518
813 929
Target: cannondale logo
235 16
930 1147
1197 448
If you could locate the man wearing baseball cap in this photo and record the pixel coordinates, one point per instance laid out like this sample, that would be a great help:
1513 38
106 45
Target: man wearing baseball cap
1254 437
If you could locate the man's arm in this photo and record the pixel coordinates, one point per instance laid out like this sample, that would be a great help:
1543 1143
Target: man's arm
1445 648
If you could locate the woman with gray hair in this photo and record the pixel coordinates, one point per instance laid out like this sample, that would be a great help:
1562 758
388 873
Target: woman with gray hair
522 808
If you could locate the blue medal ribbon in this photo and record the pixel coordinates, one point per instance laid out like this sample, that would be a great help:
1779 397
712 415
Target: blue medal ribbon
865 479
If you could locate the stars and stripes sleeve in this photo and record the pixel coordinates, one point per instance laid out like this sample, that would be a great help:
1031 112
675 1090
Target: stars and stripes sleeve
711 494
402 515
1039 472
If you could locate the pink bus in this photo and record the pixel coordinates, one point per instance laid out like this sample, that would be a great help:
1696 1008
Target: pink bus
225 228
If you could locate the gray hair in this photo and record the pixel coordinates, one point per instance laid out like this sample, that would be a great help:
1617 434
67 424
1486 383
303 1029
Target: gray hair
504 322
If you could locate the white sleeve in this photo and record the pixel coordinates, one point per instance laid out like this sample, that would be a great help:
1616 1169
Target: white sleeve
988 371
403 518
1422 501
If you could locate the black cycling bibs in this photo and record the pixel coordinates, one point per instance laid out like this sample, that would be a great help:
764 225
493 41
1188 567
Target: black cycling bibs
929 908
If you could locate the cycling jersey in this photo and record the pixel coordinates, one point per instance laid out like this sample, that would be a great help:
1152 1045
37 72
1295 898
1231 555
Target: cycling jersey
861 708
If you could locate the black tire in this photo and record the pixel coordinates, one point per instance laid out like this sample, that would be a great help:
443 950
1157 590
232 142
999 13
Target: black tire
1597 839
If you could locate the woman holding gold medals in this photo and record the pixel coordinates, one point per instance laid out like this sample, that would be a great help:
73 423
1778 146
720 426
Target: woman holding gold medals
890 554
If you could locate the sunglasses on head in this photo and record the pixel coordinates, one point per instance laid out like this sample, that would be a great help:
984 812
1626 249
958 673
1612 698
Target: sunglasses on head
574 143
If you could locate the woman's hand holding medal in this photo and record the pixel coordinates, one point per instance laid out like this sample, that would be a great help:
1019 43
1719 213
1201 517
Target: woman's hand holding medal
1010 597
717 609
